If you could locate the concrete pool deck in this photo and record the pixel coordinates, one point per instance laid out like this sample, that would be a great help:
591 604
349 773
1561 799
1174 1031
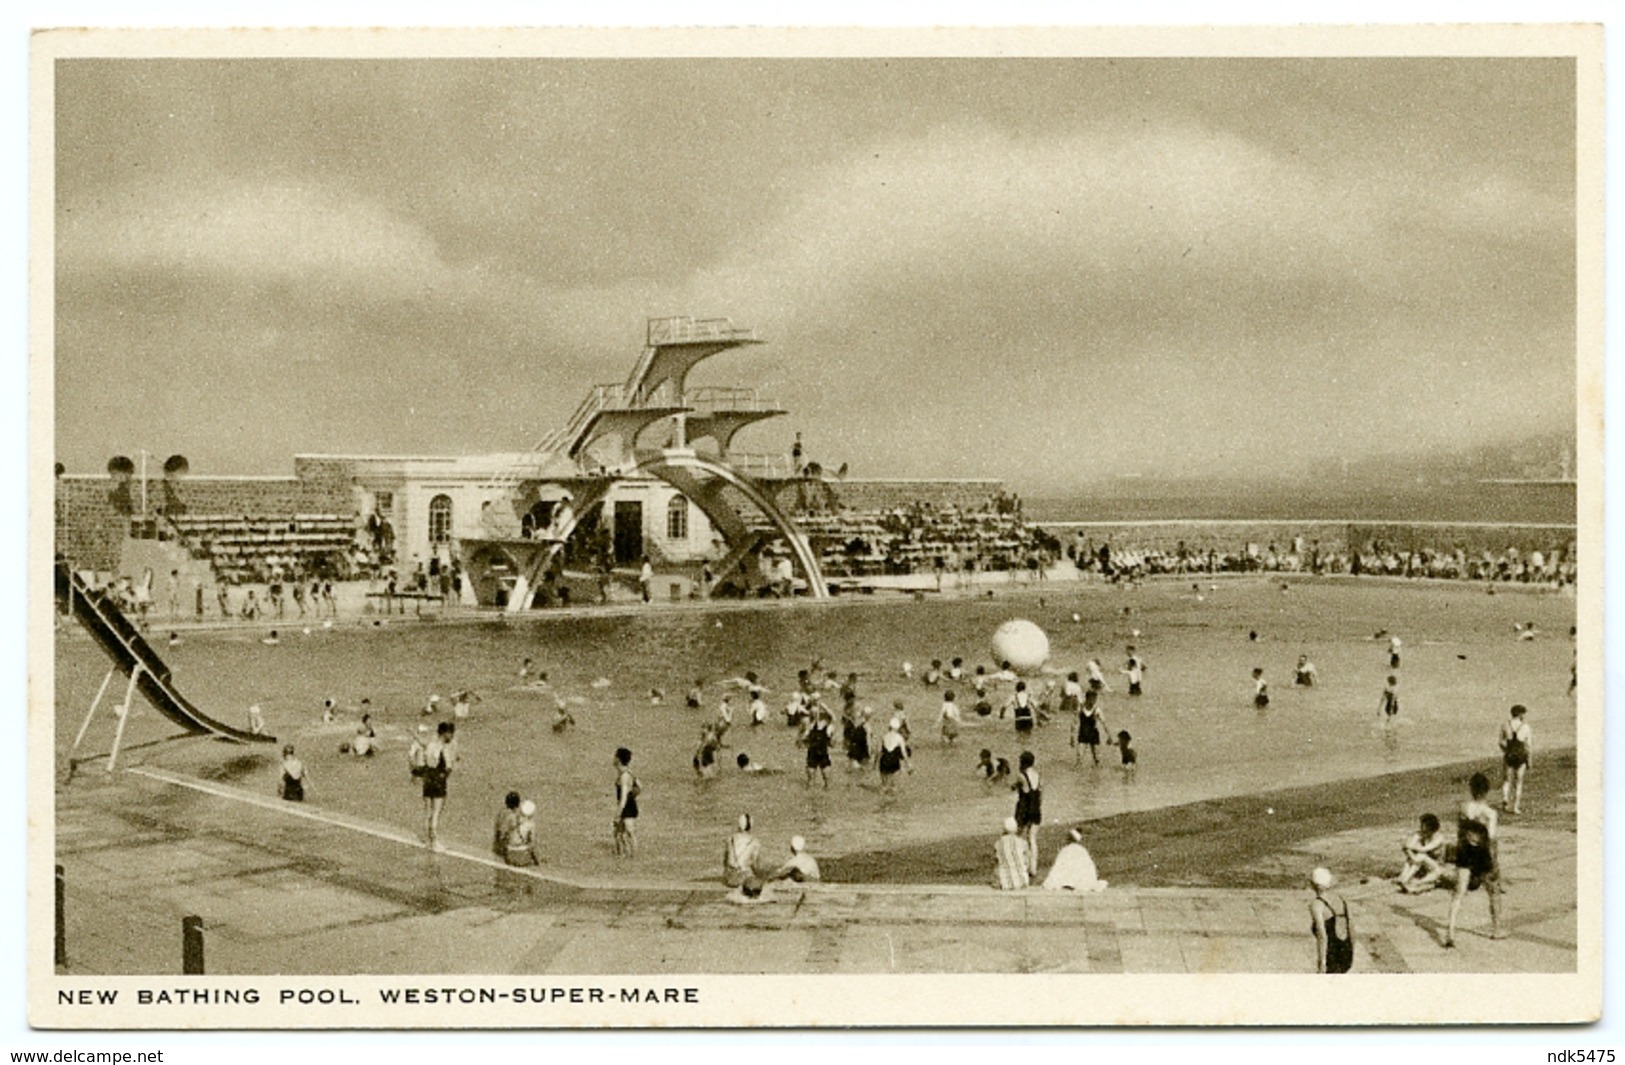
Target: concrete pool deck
292 890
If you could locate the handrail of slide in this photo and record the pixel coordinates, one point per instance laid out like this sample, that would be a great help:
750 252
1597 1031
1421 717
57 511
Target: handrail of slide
130 651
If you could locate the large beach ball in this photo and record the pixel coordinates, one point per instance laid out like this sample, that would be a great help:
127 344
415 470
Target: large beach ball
1022 644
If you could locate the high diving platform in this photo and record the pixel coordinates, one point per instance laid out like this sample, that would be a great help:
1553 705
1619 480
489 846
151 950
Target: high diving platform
649 426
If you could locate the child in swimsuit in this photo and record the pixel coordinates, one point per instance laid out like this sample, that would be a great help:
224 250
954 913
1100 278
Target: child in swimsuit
293 776
1129 756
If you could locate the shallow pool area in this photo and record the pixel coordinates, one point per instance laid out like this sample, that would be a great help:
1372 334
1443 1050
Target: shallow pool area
1195 729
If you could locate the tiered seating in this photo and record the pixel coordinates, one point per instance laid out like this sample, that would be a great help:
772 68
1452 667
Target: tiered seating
250 548
855 543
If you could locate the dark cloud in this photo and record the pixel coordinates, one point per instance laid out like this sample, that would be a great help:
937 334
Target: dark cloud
1044 270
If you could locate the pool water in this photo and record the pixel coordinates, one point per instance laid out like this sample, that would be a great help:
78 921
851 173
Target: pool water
1195 729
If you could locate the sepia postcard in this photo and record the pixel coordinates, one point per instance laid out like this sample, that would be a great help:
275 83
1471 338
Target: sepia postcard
806 527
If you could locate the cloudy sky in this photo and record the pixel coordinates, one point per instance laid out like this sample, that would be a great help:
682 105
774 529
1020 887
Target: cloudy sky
1050 271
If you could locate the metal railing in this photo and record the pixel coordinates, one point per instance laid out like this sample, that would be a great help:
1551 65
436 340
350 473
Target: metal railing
598 399
761 465
660 331
714 399
685 330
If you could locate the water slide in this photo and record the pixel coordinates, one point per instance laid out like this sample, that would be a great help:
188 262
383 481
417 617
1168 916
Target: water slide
132 654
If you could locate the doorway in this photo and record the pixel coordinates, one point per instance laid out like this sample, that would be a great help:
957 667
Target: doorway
628 531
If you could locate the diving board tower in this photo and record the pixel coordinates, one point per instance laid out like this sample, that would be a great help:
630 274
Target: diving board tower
652 425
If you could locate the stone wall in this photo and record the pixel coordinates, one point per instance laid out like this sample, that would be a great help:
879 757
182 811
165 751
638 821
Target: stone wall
89 527
1232 536
262 496
91 522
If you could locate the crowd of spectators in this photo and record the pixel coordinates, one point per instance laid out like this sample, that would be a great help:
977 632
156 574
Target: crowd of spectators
923 538
1557 565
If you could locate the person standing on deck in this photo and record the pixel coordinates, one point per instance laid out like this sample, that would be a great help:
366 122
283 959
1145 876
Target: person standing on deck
1029 807
1329 919
1478 859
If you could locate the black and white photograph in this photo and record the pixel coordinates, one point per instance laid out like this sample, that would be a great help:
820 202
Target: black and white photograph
806 528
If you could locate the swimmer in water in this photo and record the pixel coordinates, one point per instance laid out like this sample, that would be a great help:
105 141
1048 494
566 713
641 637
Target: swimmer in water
1130 756
562 718
747 765
948 719
1134 671
1303 674
992 770
1388 704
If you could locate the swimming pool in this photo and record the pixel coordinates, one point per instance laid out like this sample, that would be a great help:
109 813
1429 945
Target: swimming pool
1195 729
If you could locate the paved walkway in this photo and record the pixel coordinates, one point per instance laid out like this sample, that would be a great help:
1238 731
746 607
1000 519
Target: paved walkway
290 890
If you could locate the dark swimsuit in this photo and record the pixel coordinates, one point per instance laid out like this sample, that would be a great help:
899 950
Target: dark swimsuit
434 779
1088 728
1024 717
818 747
857 742
293 788
1339 940
1029 802
629 801
1473 853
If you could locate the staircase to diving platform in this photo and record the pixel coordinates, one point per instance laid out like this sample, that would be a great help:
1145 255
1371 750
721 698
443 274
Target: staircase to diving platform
600 443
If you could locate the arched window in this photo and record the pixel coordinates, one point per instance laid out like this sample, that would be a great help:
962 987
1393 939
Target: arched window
677 519
440 519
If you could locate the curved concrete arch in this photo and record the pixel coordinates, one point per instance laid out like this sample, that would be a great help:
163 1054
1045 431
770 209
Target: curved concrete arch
659 464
